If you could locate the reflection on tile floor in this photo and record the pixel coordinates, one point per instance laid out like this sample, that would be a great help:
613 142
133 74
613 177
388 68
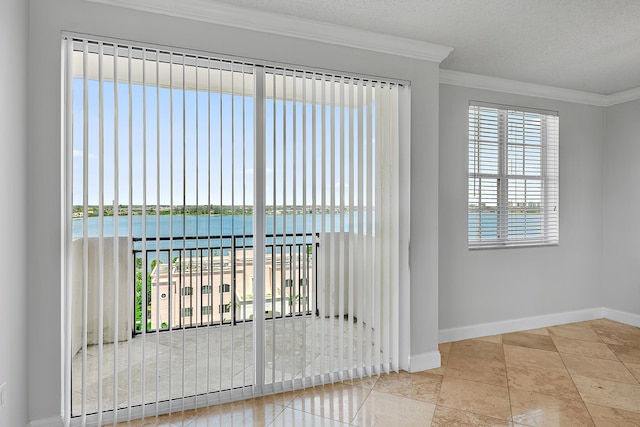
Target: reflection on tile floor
582 374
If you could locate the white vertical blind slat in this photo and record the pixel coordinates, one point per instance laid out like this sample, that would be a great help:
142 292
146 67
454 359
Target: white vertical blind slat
260 181
307 317
334 254
273 237
116 234
350 262
323 276
197 289
68 168
244 236
283 263
377 232
157 231
143 160
221 270
131 264
210 254
369 258
394 220
294 252
314 205
361 236
170 276
339 232
85 230
100 229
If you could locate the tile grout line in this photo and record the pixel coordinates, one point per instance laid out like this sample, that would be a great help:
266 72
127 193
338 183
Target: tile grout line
275 417
441 382
617 358
574 382
504 355
355 415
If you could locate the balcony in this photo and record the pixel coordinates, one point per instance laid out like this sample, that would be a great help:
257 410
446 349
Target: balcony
194 337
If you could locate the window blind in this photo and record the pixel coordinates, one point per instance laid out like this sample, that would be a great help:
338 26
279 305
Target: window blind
513 185
235 229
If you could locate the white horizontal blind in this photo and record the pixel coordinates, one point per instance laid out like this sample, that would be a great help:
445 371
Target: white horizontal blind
513 194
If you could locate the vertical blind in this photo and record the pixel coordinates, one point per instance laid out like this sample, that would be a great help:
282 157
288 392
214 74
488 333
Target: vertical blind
513 194
234 229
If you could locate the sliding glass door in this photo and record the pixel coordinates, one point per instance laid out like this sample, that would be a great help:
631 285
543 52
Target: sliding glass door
232 229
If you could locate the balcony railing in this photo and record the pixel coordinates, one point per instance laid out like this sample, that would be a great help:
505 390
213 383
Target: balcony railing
208 281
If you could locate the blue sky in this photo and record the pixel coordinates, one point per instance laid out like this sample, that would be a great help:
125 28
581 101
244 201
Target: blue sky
192 126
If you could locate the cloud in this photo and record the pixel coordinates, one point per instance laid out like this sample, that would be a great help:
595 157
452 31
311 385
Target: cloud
78 153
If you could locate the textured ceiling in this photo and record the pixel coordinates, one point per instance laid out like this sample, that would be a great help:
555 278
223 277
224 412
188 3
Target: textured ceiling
587 45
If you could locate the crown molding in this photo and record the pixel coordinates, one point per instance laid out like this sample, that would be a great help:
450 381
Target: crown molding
255 20
476 81
624 96
457 78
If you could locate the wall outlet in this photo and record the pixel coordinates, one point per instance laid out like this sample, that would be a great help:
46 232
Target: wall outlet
3 395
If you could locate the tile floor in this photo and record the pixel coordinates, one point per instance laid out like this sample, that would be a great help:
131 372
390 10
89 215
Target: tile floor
580 374
181 366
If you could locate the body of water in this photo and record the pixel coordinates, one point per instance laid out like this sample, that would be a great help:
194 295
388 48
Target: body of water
518 225
233 225
203 232
204 226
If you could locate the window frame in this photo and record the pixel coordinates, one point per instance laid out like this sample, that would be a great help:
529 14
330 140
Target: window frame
495 152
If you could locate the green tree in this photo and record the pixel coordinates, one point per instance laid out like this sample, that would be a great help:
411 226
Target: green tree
139 295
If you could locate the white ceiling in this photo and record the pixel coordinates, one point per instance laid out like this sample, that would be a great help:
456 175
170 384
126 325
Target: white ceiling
585 45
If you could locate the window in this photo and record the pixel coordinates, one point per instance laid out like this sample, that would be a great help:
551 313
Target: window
225 308
187 311
224 288
207 310
206 289
513 176
186 291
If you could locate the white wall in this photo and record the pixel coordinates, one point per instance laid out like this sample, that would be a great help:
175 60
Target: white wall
621 205
49 18
485 286
14 33
108 316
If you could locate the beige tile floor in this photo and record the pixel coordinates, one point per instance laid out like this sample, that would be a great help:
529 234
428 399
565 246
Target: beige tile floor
580 374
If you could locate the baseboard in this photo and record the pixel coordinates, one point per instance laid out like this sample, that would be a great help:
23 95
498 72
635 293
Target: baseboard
47 422
523 324
424 361
622 317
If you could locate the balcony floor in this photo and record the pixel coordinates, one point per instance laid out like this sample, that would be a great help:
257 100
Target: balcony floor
158 367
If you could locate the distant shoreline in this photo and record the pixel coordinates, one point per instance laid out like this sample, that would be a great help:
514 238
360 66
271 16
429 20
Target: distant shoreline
209 210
